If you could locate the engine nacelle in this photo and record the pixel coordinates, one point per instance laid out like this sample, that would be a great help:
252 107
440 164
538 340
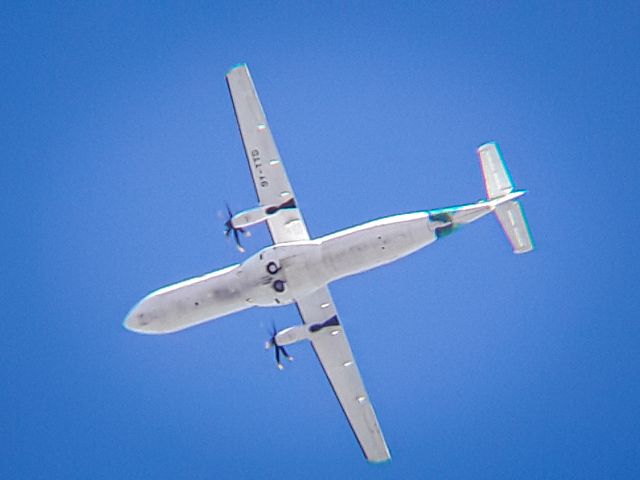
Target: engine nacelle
257 215
292 335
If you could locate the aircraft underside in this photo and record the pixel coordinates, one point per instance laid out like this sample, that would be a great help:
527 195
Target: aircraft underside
297 269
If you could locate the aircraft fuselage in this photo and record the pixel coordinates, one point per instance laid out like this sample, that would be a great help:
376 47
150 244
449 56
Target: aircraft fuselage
279 274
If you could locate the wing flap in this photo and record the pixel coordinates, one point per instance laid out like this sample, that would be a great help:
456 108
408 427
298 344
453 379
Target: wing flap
332 348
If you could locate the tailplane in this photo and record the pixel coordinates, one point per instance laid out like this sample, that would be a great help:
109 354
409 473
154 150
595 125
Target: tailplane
500 188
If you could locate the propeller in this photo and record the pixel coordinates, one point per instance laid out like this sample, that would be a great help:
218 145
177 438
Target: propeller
279 348
231 229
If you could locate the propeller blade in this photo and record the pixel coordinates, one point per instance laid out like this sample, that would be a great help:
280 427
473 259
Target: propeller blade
237 239
230 228
289 357
278 348
228 224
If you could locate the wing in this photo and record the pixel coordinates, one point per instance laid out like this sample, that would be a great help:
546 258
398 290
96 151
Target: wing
269 176
332 348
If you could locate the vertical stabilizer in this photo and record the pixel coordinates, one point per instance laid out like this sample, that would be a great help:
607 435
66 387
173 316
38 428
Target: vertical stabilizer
508 211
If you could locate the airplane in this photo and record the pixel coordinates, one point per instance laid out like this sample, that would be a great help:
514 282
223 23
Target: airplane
298 269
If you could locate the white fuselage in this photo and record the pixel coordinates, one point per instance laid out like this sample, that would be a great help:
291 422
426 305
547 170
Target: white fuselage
302 267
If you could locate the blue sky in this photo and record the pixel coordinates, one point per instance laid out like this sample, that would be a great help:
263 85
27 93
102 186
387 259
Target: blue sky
120 147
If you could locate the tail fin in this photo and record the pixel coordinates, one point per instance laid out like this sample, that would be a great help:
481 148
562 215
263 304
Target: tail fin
509 212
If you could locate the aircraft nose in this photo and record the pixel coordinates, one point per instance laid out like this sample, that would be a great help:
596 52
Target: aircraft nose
137 321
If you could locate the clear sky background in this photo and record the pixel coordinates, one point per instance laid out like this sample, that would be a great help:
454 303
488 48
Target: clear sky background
120 147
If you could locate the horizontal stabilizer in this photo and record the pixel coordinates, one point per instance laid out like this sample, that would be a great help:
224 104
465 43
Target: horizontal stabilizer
501 194
515 226
496 176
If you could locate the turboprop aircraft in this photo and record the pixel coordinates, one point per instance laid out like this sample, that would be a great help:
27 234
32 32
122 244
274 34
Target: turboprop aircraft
298 269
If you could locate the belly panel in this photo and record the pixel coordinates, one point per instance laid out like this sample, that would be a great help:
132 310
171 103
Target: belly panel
375 243
189 303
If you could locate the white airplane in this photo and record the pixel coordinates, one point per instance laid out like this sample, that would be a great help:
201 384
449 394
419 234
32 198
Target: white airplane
298 269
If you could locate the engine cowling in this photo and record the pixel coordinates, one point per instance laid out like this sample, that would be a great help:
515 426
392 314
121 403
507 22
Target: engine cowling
292 335
257 215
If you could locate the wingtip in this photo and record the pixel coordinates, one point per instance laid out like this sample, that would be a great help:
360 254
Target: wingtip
236 66
492 143
379 461
531 248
